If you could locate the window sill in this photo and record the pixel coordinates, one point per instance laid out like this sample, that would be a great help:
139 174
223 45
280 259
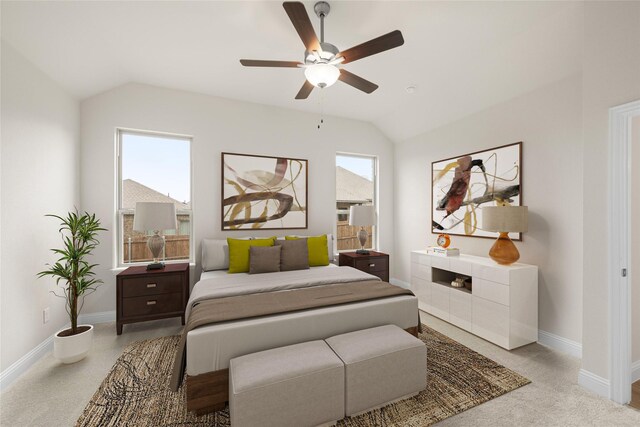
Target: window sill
122 268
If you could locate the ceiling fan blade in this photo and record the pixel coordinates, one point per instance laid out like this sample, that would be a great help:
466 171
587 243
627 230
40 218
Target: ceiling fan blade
298 15
357 81
377 45
261 63
305 90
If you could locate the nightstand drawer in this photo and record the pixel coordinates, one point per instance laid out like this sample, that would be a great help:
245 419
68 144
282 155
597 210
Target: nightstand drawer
375 263
372 264
152 304
140 286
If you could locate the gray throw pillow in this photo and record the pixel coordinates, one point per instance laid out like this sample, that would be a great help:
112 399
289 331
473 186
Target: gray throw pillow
264 259
294 255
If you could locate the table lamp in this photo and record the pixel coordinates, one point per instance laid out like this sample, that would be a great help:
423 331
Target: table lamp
504 220
155 216
362 216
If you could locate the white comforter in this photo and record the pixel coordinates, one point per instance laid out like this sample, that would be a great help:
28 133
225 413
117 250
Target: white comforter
242 284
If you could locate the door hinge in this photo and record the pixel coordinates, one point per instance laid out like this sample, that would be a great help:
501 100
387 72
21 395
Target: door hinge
624 272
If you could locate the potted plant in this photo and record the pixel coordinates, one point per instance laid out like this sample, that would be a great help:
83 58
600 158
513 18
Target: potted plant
76 277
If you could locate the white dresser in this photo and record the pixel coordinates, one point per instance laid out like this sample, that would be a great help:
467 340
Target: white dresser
501 307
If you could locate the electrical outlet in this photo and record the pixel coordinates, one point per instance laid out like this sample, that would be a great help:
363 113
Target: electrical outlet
45 315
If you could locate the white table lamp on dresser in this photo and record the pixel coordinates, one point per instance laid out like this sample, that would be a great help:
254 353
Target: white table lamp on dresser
505 220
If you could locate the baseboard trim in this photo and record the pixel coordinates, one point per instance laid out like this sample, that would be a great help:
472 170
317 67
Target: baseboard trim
400 283
635 371
559 343
22 365
594 383
100 317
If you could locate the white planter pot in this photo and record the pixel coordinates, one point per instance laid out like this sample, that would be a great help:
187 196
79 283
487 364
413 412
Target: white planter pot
72 348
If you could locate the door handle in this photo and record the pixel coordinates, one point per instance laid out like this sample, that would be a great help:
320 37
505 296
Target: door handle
151 302
151 285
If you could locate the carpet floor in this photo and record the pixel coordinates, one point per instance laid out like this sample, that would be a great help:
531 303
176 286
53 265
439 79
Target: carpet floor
136 392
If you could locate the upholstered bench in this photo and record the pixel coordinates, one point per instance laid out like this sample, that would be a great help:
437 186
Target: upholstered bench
382 365
297 385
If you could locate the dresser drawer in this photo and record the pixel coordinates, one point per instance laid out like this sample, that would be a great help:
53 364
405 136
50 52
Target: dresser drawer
140 286
492 272
496 292
420 258
422 289
372 264
440 301
152 304
460 308
421 271
490 321
440 262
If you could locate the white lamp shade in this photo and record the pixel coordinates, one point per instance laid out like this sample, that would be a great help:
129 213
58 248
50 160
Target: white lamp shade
503 219
152 216
322 75
362 215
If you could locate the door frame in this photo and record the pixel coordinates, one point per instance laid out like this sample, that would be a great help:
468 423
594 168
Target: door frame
619 228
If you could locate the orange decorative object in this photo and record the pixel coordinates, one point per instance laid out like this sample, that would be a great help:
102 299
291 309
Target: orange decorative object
504 251
443 240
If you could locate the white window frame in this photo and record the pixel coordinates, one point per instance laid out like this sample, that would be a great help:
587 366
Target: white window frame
120 212
373 157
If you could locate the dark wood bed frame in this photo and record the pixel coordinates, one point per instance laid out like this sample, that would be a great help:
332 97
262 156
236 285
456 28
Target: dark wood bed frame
210 392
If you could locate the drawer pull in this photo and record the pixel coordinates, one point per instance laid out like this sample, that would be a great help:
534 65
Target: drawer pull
372 265
151 302
151 285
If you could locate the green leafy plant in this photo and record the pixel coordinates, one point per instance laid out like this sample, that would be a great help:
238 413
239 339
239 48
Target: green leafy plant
72 271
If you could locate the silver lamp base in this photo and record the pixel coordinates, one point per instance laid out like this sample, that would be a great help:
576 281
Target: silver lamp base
155 244
362 236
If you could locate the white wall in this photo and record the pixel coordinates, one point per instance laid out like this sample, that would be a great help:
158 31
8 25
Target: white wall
611 77
218 125
635 239
548 121
40 150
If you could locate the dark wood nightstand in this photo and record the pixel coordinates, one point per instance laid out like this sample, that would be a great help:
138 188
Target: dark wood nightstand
150 295
376 263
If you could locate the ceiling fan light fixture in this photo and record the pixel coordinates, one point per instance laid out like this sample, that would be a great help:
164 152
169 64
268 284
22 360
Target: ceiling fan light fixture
322 75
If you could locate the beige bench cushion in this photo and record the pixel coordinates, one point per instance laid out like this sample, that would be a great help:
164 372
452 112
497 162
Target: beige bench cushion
297 385
381 365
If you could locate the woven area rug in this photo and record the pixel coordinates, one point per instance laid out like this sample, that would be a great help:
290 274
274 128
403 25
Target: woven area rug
136 392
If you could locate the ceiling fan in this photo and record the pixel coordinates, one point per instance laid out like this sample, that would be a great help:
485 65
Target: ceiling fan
322 60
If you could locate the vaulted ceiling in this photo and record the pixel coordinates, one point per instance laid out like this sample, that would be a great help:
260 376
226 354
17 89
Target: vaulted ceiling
461 57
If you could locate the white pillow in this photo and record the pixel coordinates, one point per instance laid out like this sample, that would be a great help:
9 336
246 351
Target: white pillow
330 247
215 254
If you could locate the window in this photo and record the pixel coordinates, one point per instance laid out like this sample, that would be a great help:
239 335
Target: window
153 167
355 185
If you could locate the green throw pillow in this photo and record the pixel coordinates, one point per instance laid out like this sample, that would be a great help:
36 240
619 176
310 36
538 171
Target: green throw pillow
239 252
318 251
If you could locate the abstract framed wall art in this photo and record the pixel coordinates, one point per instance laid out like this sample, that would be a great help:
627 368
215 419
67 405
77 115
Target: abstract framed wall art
462 185
263 192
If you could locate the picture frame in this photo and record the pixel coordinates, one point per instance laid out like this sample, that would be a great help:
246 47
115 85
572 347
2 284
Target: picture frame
461 185
262 192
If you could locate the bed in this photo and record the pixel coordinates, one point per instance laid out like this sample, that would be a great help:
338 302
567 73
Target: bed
209 348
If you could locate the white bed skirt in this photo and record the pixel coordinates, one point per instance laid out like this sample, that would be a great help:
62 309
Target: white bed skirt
210 348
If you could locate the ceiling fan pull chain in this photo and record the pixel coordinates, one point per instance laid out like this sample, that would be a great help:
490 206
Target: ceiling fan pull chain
321 108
